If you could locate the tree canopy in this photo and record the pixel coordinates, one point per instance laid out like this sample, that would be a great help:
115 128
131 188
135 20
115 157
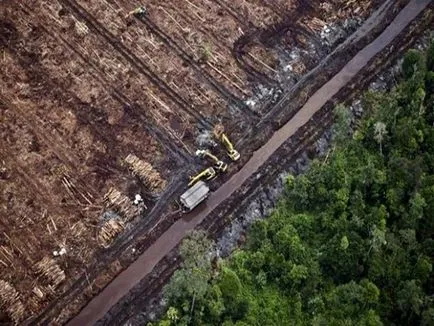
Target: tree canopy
351 242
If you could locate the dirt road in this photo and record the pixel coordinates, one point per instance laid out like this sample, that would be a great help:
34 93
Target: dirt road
171 238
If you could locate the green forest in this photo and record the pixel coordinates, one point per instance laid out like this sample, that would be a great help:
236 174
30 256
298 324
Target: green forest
351 241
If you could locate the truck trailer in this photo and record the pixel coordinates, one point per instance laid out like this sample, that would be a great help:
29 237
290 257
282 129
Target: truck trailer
194 195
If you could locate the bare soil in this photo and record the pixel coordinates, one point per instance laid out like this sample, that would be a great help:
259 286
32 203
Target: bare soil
83 86
143 302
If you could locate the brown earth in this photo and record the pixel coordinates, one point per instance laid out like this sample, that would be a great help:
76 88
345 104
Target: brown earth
83 86
144 300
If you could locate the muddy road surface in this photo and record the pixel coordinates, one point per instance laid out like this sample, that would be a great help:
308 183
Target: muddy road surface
120 286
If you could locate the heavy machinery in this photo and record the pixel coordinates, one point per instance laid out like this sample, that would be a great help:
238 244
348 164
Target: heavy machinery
218 164
221 136
194 195
206 174
137 12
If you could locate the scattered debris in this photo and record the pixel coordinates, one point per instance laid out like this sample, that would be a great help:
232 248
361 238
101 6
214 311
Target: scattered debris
138 11
138 199
204 139
81 28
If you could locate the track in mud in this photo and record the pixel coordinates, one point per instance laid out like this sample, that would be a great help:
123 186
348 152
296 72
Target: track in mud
79 131
150 286
171 238
131 58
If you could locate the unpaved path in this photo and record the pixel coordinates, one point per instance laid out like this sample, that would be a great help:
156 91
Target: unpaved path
171 238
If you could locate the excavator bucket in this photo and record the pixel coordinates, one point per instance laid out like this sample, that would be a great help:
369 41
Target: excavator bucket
219 165
218 130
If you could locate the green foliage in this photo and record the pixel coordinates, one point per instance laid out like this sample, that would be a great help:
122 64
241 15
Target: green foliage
341 129
429 82
414 61
230 285
350 243
189 285
430 57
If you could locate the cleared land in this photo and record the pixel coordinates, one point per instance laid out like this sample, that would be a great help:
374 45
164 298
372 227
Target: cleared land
84 86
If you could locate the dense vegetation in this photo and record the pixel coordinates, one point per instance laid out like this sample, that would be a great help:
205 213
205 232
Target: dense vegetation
352 240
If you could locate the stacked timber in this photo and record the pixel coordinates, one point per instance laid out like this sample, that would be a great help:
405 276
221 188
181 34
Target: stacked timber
146 173
50 271
109 230
10 302
120 203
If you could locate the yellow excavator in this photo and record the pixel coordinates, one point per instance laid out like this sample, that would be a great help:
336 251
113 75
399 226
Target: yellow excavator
218 164
207 174
137 12
221 136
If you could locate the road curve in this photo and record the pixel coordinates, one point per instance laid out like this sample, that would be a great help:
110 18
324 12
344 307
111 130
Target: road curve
125 281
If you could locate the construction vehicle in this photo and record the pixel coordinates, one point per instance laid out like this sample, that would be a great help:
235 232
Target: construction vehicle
218 164
221 136
206 174
194 195
137 12
231 151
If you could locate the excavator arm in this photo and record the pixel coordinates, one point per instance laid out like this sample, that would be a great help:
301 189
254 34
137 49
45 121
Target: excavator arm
218 164
232 152
206 174
219 134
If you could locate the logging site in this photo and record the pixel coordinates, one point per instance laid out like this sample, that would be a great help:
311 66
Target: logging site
112 109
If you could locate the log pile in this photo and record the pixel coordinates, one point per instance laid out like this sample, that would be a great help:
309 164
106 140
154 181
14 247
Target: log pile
146 173
338 10
50 271
314 24
10 302
109 231
120 203
353 8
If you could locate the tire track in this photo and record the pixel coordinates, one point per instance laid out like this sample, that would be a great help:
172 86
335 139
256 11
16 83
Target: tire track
134 60
167 142
151 286
30 180
265 37
241 19
143 266
204 74
35 123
